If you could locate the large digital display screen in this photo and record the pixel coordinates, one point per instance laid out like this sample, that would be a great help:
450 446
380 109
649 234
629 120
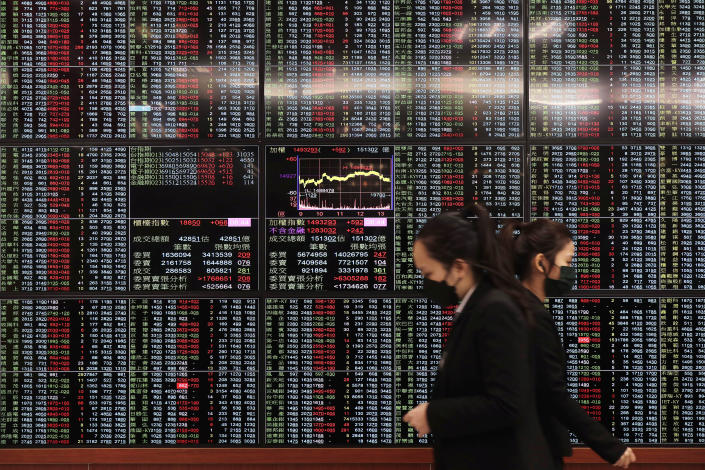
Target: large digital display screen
208 209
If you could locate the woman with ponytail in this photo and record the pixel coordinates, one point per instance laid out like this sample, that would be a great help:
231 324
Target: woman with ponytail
482 410
543 252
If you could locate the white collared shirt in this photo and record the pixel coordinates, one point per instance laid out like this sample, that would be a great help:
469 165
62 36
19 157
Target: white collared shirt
458 311
464 302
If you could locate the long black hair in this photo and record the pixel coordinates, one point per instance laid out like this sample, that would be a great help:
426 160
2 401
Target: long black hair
540 236
470 235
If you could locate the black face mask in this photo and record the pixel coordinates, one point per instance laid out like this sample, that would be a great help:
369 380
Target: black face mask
440 292
564 284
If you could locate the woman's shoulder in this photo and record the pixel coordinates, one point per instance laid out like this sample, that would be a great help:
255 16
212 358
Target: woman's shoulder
494 295
542 317
498 301
497 313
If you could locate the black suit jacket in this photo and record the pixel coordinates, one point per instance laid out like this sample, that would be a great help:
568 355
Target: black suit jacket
558 411
482 410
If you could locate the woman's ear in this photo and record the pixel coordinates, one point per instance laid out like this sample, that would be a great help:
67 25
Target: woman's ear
540 263
459 268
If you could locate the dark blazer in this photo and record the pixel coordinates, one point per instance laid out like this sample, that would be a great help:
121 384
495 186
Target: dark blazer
557 409
482 411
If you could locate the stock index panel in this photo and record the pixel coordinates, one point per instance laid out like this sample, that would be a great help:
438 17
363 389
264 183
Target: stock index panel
208 209
345 217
